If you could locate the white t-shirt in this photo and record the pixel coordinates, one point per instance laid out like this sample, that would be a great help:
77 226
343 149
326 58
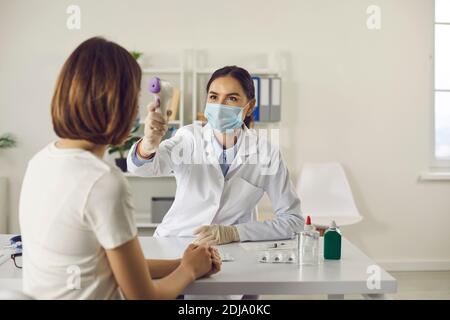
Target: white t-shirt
73 206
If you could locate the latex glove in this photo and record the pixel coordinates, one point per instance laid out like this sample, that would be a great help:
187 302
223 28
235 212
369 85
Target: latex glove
216 234
155 128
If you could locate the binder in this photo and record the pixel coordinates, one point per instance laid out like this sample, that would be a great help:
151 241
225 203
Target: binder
275 99
256 83
264 102
174 104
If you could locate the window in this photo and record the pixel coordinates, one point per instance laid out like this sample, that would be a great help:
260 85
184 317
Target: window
442 82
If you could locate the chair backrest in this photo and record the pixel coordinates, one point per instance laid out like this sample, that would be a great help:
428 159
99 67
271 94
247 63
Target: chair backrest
325 194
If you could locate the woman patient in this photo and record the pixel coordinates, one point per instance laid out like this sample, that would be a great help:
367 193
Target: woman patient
76 215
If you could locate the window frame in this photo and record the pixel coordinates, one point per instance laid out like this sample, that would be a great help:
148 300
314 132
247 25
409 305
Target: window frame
443 164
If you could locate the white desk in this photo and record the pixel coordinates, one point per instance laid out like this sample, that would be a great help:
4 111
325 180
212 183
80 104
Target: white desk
245 275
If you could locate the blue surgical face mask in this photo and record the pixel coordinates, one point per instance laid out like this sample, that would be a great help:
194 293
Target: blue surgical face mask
222 117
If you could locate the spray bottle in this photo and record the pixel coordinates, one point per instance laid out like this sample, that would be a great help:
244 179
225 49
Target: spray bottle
308 245
332 243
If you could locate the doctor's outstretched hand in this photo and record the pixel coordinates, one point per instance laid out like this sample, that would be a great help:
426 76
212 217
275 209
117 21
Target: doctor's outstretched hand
216 234
155 128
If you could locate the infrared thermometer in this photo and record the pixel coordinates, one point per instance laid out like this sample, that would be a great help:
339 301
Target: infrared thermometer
164 92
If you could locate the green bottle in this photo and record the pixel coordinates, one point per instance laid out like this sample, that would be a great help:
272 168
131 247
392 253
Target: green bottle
332 243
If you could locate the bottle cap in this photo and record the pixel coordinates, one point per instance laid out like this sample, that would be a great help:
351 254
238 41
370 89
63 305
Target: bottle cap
333 225
308 220
308 225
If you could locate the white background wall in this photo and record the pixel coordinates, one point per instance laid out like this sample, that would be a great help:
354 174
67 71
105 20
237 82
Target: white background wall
356 96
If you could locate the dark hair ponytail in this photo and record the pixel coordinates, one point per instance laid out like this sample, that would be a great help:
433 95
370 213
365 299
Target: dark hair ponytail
245 80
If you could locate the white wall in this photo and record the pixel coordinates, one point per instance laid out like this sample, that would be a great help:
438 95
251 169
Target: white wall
360 97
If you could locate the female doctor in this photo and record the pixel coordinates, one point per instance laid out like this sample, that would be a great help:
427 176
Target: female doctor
222 169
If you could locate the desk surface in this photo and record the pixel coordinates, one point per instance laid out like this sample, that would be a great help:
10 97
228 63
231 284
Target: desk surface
355 273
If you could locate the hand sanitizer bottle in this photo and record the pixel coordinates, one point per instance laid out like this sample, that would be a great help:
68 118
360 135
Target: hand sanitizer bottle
308 245
332 243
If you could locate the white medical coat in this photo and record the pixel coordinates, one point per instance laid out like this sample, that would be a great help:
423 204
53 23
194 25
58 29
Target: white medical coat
204 196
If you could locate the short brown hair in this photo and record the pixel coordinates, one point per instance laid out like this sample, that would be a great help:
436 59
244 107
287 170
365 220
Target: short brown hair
97 92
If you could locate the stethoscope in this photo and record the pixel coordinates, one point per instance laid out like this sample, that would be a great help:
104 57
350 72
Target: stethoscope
15 243
13 249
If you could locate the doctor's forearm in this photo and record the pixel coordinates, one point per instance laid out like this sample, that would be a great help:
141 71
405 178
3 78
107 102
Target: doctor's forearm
140 153
139 166
283 226
162 268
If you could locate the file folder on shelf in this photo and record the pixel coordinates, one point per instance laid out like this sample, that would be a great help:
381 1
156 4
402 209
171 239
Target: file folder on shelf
264 102
275 99
256 82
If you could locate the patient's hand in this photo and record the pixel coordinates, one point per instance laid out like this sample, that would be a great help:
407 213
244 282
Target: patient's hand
216 262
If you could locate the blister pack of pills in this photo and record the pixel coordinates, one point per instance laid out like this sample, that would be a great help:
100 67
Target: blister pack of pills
277 256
